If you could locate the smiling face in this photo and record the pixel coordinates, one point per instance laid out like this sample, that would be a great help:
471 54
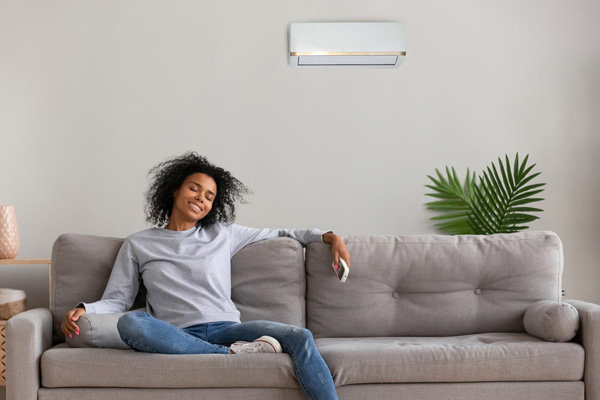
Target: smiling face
193 201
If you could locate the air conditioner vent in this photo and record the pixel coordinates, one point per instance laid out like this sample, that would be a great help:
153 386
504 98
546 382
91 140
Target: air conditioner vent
347 44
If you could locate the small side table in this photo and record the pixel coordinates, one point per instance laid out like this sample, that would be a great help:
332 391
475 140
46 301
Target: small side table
31 261
3 344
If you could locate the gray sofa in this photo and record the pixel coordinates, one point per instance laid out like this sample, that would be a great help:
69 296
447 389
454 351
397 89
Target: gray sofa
420 317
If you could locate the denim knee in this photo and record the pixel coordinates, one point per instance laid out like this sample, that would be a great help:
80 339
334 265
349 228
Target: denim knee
305 335
128 323
298 335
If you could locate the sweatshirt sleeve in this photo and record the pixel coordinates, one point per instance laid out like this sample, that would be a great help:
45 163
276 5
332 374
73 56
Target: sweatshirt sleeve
242 236
123 284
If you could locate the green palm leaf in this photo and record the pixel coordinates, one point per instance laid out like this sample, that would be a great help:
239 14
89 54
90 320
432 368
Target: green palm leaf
453 197
497 203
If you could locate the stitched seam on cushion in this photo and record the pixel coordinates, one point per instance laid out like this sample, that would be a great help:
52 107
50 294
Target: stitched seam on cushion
424 364
89 328
301 267
546 322
465 361
54 272
559 273
453 244
195 368
345 367
268 242
435 243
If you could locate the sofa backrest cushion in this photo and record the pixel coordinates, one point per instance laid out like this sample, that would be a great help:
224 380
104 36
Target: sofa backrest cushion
268 279
432 285
81 266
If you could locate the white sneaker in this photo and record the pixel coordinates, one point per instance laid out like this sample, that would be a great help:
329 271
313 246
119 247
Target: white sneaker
264 344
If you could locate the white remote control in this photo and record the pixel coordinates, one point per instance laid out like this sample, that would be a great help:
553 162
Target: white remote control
341 270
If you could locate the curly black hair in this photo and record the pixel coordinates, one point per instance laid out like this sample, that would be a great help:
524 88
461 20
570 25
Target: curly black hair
168 176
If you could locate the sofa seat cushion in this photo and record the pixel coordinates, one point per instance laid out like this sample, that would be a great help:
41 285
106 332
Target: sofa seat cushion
89 367
471 358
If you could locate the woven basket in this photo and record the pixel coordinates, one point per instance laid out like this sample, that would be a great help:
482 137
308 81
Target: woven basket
12 302
9 235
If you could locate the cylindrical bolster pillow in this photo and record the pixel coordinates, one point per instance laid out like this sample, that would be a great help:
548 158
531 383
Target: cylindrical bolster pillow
552 321
98 330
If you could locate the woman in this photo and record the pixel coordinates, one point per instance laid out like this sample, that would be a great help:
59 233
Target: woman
186 268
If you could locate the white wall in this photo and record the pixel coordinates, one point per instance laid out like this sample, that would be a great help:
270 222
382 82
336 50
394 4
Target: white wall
93 94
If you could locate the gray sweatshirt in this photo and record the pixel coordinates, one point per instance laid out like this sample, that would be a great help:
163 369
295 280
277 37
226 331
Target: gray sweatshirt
187 274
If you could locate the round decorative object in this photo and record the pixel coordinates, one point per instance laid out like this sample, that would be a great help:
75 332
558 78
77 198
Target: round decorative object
12 302
9 235
552 321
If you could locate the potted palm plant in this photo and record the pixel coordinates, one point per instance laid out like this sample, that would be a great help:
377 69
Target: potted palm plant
498 202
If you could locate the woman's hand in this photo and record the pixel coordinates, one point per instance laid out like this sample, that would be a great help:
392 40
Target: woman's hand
69 327
338 248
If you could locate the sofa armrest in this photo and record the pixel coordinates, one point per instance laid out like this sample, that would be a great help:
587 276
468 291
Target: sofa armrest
589 336
28 336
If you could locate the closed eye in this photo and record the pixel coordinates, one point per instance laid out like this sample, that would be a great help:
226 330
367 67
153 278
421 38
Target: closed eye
209 195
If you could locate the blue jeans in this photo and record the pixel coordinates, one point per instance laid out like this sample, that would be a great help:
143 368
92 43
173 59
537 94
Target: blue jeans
143 332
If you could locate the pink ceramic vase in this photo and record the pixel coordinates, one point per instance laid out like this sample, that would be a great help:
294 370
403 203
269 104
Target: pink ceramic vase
9 235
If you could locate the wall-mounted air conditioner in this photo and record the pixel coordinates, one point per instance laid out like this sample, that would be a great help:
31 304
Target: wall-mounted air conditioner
380 44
